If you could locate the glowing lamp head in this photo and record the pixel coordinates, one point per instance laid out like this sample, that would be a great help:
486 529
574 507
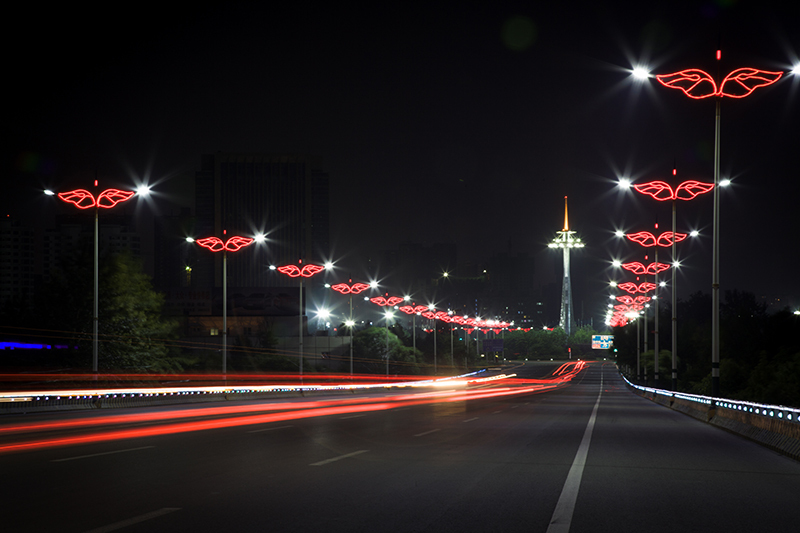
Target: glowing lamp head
640 73
143 190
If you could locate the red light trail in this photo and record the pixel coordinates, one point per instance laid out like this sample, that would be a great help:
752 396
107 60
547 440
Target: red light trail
243 415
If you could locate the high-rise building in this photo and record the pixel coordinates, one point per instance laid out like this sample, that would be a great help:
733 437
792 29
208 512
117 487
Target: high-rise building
17 261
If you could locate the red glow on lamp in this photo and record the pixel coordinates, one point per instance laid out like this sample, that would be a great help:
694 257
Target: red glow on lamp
647 239
107 199
294 271
233 244
661 190
355 288
697 84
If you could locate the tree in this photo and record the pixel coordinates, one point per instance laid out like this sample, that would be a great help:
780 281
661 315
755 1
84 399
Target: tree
132 332
369 350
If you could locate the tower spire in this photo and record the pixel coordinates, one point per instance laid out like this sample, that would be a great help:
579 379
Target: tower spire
566 240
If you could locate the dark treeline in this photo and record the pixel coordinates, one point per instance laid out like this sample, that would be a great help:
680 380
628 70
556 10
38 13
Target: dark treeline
759 352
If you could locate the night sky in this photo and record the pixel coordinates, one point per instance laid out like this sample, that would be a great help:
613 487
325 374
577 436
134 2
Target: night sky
465 122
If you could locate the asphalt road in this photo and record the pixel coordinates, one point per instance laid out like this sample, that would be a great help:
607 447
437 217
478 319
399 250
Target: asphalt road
589 457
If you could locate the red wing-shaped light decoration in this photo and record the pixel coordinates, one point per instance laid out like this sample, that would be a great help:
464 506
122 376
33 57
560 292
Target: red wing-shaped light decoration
294 271
689 189
633 288
647 239
393 300
743 81
636 267
697 84
665 239
111 197
661 190
625 299
82 198
214 244
407 309
309 270
344 288
234 244
640 270
380 300
629 286
429 315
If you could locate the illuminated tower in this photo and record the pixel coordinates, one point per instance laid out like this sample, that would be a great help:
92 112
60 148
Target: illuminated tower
566 240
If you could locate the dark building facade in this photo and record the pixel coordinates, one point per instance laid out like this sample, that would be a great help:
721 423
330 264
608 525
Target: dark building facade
285 197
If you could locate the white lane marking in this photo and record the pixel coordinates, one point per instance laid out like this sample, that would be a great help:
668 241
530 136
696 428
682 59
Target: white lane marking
99 454
514 406
135 520
469 420
497 412
269 429
332 459
427 432
351 416
562 516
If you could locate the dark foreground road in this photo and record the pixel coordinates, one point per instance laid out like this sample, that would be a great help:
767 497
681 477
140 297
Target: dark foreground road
590 457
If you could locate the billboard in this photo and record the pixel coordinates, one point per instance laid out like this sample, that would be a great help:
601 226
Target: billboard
602 342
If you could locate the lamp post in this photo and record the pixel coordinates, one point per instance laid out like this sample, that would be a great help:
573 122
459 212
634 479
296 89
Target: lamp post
355 288
83 199
233 244
647 240
299 271
413 310
698 84
388 302
663 192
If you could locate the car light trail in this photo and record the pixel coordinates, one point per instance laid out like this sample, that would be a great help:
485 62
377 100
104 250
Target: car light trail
242 415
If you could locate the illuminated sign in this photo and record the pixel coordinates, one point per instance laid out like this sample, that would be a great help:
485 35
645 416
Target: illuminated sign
602 342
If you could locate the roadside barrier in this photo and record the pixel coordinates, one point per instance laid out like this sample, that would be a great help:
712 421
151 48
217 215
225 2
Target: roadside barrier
774 426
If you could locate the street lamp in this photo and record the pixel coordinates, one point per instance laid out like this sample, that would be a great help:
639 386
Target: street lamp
388 302
233 244
662 191
83 199
300 271
698 84
355 288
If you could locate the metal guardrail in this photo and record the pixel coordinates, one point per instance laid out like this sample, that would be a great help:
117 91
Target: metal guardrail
778 412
